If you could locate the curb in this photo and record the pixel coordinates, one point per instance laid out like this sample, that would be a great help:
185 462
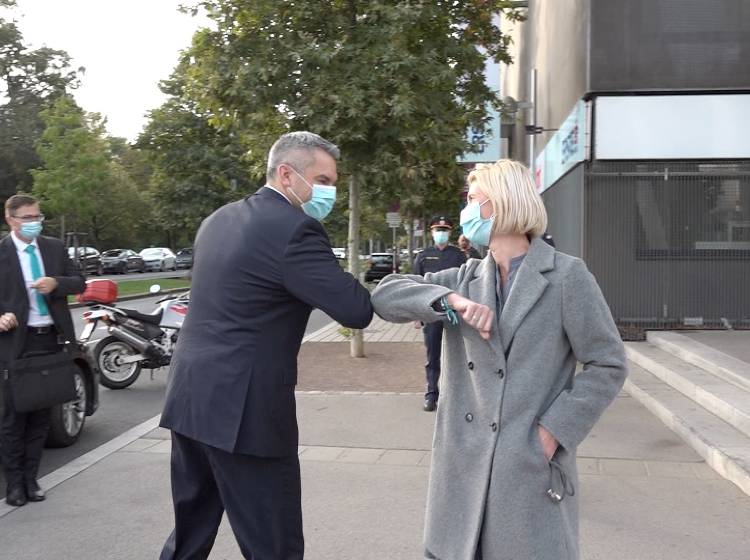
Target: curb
80 464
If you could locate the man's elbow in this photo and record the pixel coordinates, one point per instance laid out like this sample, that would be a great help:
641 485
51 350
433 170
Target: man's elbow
360 318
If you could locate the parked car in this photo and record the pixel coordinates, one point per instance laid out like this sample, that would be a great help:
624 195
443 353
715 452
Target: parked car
185 258
67 420
380 266
87 259
159 259
122 261
339 252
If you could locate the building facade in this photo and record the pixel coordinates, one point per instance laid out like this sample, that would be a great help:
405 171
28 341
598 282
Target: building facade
635 117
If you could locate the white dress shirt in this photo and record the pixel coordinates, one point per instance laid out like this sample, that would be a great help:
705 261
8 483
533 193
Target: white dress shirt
35 319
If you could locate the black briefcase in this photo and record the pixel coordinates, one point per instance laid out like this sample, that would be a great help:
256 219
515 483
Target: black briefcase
42 381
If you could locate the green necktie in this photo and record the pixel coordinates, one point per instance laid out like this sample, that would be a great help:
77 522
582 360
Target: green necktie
36 273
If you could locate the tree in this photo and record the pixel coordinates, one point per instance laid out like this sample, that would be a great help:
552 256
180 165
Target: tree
394 83
29 81
79 182
196 167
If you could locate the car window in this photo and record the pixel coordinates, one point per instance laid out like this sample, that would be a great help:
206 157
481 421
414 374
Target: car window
112 253
151 253
382 259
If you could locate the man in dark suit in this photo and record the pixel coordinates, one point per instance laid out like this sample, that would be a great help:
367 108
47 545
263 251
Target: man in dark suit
36 277
260 266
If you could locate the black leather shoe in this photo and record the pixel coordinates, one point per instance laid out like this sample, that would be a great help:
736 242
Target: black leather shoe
429 405
16 496
33 492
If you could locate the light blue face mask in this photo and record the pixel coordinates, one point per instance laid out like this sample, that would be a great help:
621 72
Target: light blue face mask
475 228
440 237
31 230
321 202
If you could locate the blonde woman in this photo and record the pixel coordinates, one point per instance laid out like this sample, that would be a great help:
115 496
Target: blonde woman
512 412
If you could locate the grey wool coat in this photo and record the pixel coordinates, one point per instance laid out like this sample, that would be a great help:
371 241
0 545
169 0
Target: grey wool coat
490 482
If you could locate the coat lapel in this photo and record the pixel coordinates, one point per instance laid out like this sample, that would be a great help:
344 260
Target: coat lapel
482 290
11 256
528 287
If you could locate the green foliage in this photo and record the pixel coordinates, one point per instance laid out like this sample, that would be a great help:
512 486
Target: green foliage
81 181
394 83
29 81
196 167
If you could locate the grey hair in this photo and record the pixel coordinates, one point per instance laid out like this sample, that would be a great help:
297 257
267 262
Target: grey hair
298 149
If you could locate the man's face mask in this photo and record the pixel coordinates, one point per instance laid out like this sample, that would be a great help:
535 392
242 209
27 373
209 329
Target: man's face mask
321 201
440 237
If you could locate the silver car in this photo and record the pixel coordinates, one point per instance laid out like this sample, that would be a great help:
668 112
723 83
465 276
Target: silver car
159 259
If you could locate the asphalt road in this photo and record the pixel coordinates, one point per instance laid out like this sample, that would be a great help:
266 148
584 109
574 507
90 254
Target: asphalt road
121 410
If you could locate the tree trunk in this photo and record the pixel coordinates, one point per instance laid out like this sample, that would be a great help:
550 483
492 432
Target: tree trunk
411 243
357 342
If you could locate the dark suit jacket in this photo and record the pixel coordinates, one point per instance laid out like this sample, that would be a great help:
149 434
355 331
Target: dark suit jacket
14 297
260 266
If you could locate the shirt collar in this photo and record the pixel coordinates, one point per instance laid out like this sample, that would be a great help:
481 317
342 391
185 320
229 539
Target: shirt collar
268 186
21 244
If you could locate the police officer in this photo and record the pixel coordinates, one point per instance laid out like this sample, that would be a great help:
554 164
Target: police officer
434 259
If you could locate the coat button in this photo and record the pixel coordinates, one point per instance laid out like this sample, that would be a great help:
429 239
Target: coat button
471 365
501 373
469 417
493 426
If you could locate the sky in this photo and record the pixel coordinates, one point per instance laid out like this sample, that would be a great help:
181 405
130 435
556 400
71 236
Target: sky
126 46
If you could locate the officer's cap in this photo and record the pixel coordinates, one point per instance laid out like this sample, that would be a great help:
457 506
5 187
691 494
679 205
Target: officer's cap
441 222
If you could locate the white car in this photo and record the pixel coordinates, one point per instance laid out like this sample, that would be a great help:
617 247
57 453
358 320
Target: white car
159 259
339 252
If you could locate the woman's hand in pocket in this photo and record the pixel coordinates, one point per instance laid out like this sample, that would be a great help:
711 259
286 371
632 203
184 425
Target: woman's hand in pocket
548 441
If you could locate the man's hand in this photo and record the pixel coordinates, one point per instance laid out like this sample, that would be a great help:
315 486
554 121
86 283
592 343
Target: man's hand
418 324
549 443
45 285
8 322
476 315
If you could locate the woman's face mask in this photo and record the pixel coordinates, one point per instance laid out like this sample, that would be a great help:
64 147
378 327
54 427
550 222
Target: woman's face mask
476 229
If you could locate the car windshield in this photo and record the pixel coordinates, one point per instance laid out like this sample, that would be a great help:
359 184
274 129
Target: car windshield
152 252
382 259
184 252
113 253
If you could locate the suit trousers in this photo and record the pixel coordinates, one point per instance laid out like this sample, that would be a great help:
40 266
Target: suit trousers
261 496
433 341
24 433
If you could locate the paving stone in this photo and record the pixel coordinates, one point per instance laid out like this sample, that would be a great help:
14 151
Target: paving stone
361 455
620 467
405 457
326 454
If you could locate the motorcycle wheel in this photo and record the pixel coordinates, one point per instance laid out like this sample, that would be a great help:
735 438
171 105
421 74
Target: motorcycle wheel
114 374
67 420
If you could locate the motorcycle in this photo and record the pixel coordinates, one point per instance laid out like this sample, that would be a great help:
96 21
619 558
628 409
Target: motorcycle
135 340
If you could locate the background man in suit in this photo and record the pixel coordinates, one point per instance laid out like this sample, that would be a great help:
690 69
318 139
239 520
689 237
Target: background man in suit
440 256
465 245
261 265
36 277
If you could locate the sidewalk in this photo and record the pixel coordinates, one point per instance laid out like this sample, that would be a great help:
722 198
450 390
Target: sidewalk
365 462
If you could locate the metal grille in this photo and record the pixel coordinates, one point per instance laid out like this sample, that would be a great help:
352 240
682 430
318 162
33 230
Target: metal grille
669 242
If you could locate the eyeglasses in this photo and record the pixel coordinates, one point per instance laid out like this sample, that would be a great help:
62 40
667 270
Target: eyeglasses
27 219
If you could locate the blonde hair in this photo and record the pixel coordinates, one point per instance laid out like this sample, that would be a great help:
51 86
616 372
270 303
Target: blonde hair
517 205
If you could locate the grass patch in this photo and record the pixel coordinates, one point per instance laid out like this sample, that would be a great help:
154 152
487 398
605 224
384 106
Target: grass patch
134 287
138 287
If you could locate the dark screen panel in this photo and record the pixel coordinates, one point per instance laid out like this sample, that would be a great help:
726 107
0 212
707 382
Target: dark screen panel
669 44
